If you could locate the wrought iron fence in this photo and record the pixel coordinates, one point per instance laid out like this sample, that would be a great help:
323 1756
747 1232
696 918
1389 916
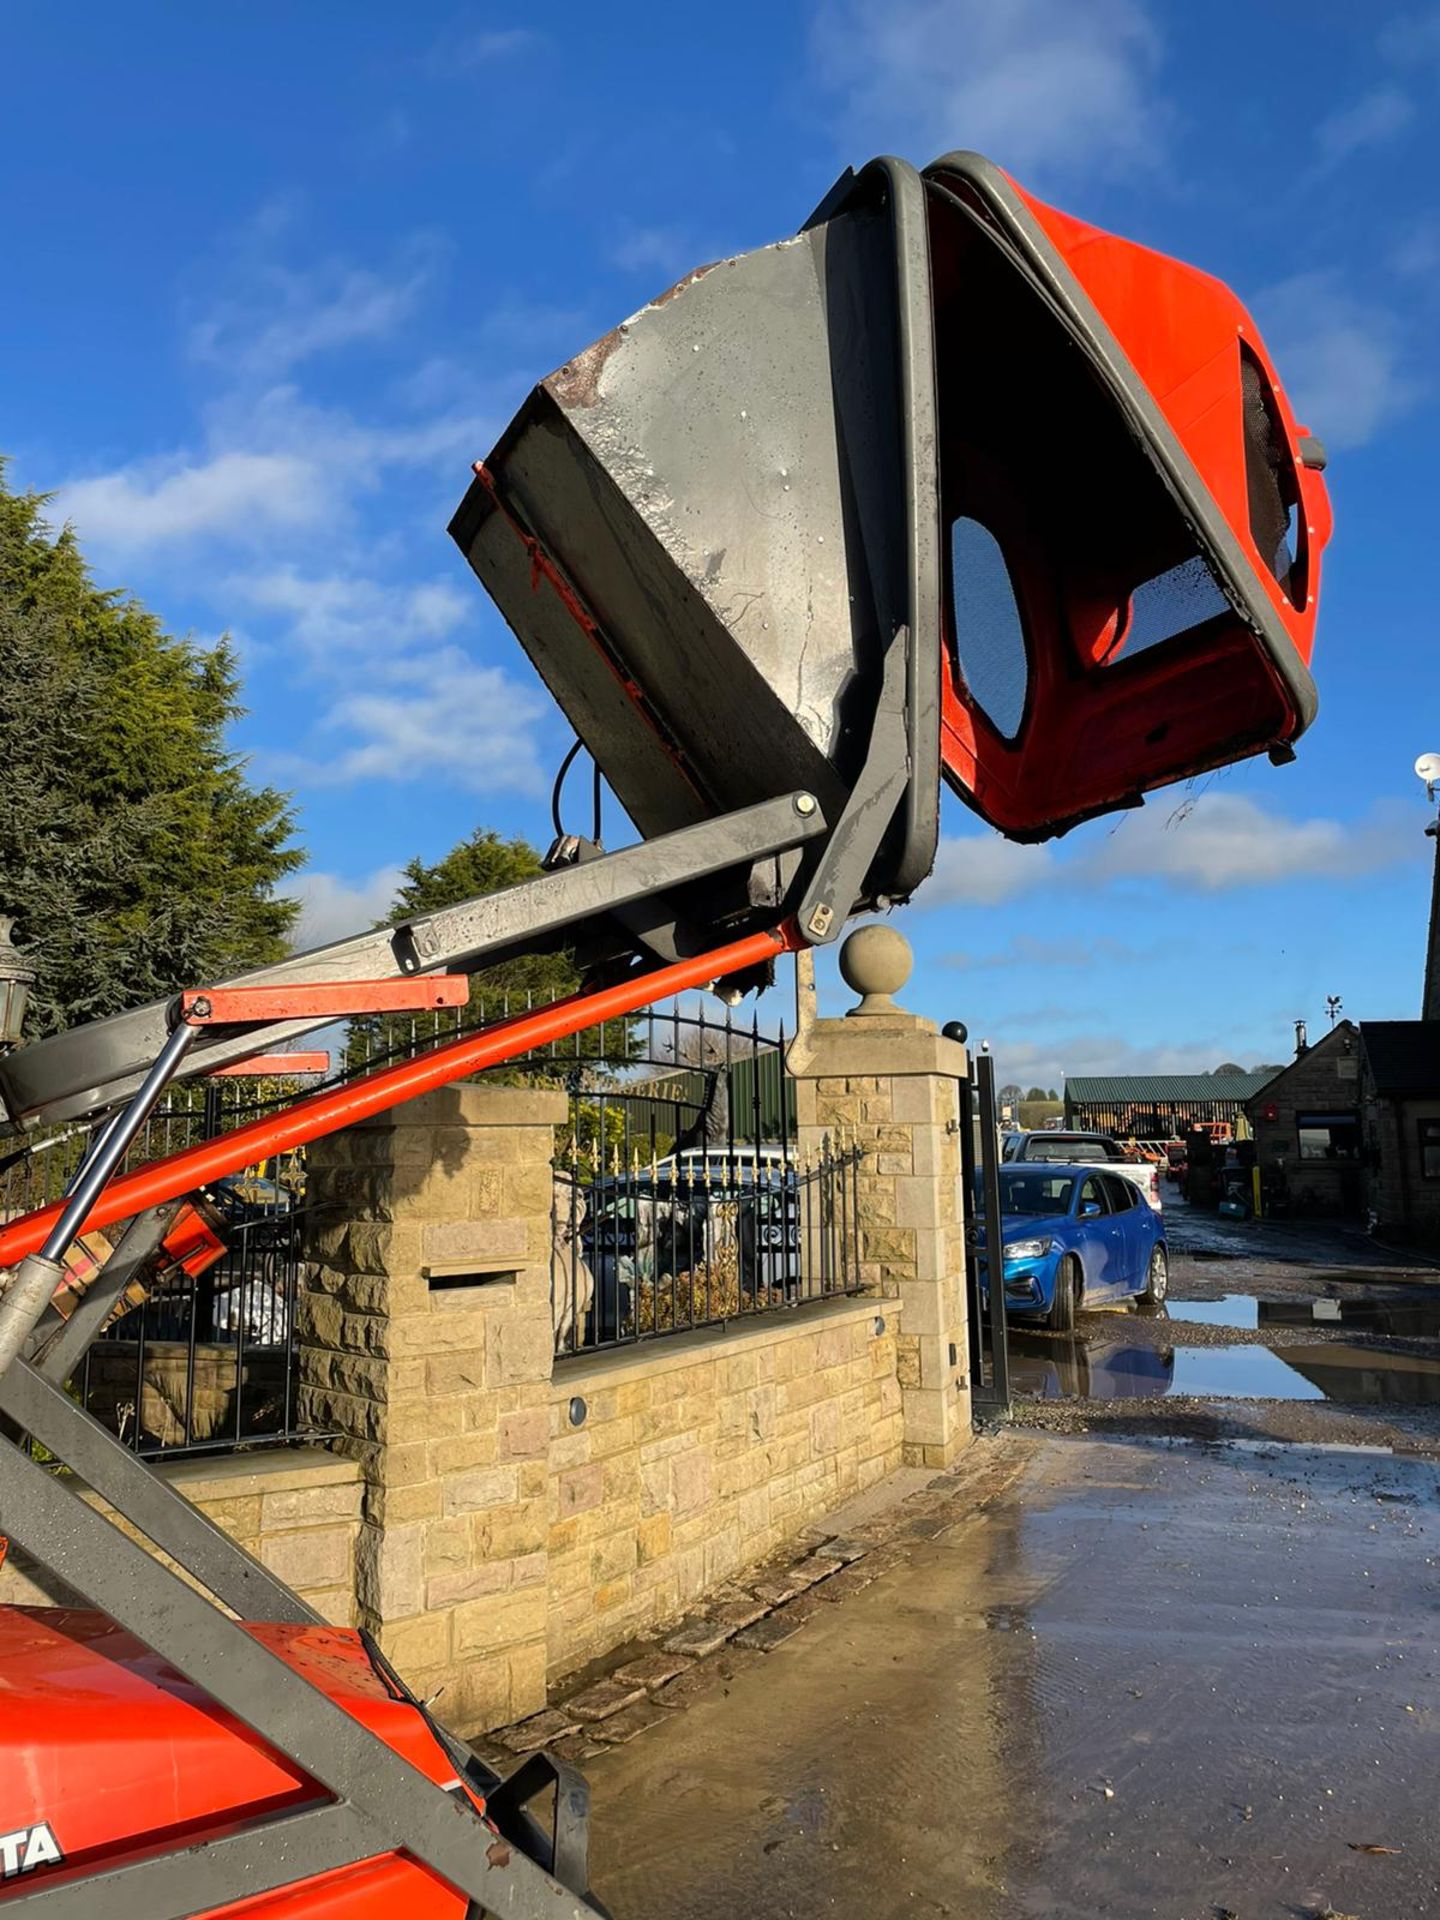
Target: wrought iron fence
208 1365
200 1364
676 1181
697 1239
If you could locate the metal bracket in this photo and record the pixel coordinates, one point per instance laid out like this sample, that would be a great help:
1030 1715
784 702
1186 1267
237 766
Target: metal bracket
884 779
58 1345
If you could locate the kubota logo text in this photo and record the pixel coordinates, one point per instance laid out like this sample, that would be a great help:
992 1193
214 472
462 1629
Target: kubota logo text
26 1849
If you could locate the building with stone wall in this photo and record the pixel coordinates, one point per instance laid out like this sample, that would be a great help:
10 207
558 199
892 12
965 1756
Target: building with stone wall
1400 1110
1306 1126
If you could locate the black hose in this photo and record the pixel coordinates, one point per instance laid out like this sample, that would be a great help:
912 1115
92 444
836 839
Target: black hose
558 788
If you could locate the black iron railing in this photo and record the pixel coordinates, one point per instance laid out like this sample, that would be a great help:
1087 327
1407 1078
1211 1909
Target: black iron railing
679 1203
698 1239
208 1365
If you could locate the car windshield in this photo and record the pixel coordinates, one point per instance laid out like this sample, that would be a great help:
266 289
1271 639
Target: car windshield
1073 1152
1024 1192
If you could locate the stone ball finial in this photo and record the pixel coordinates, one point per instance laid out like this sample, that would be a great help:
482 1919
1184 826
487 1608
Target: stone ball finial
875 962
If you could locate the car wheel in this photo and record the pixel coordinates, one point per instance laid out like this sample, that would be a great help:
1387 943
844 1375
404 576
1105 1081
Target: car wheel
1157 1281
1068 1282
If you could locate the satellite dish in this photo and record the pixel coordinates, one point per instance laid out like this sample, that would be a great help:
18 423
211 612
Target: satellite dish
1427 768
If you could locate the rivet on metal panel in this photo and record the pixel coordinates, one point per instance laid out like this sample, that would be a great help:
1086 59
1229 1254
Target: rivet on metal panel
805 804
820 919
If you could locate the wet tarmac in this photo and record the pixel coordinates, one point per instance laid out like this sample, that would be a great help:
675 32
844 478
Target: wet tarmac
1100 1366
1135 1679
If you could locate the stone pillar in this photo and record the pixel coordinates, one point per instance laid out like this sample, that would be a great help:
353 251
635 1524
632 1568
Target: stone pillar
885 1080
426 1346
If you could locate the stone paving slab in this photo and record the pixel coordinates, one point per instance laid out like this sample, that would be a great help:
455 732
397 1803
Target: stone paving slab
849 1580
736 1614
771 1632
602 1699
630 1721
807 1572
777 1589
697 1638
653 1670
541 1730
843 1550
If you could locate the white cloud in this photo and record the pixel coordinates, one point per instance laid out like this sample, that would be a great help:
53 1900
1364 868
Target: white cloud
178 498
643 248
1215 843
465 52
1342 357
332 907
272 470
283 315
1040 86
1370 121
984 869
342 623
437 717
1225 840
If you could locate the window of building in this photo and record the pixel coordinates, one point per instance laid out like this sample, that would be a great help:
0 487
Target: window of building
1429 1149
1329 1136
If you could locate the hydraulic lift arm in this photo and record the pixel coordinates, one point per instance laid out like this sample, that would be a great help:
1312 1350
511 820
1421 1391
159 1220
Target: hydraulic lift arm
736 537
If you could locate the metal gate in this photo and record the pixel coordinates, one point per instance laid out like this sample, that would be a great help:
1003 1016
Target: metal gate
984 1233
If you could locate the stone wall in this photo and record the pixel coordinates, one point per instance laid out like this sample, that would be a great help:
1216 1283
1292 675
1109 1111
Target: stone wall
1324 1079
1404 1202
297 1510
676 1465
427 1347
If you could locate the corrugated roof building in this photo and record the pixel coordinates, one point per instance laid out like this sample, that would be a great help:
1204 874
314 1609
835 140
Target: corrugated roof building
1155 1106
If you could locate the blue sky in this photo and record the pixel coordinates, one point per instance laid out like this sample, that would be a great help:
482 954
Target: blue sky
275 275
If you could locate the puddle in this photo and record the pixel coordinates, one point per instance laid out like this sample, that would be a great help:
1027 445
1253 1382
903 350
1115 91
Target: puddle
1050 1368
1235 1310
1404 1319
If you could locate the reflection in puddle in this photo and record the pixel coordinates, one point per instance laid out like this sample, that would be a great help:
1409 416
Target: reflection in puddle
1405 1319
1053 1368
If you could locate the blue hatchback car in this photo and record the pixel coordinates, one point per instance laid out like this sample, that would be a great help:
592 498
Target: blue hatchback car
1078 1236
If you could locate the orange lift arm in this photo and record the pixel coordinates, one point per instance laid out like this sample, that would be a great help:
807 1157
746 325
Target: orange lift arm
326 1112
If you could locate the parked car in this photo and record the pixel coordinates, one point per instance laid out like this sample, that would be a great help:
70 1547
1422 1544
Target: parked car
1077 1236
1088 1149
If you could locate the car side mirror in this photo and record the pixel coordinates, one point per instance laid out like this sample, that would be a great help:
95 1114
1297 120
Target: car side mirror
1090 1209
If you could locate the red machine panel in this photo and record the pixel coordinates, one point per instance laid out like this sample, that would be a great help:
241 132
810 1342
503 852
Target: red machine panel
107 1752
1133 515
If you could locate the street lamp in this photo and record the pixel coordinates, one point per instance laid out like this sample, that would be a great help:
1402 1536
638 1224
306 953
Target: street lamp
17 977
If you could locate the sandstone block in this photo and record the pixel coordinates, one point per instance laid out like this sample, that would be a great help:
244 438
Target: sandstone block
480 1488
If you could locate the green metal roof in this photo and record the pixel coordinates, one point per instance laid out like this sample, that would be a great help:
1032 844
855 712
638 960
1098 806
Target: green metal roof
1151 1089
